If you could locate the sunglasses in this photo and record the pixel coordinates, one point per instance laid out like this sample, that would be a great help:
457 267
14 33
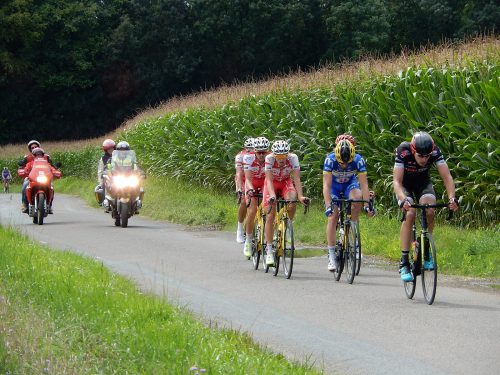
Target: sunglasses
423 156
260 152
281 156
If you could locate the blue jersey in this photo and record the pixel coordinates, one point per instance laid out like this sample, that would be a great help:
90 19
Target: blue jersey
347 175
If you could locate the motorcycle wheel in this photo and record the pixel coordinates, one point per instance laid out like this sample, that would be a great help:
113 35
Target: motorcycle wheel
41 208
124 209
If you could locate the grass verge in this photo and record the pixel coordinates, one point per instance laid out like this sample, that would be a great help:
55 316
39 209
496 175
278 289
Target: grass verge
64 313
466 252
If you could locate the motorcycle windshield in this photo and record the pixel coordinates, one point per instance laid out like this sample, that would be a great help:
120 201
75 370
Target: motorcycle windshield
41 171
123 161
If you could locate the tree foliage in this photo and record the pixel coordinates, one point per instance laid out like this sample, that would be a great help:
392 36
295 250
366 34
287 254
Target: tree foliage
77 68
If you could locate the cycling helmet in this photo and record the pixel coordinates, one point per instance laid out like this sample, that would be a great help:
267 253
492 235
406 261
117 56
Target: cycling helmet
123 146
261 144
4 168
422 143
108 144
32 142
280 148
349 137
344 151
249 143
38 151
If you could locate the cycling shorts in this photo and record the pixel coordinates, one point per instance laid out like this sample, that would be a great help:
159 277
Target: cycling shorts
418 191
281 188
344 189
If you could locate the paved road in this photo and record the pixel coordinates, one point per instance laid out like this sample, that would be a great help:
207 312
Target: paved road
365 328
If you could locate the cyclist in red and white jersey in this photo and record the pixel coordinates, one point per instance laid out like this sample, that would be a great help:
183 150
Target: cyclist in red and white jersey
239 181
282 179
253 165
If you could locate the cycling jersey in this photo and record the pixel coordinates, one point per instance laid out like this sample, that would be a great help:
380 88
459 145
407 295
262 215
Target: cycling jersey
6 175
415 175
343 179
281 173
238 160
252 164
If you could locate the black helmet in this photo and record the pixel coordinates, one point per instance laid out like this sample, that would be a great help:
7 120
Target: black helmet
123 146
422 143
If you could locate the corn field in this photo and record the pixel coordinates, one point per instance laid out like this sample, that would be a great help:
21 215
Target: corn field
459 107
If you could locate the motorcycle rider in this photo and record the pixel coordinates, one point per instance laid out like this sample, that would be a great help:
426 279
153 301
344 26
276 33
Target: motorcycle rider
22 164
24 172
104 164
131 162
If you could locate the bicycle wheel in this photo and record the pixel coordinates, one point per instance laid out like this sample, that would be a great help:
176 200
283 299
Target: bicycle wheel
429 273
350 253
339 252
288 249
256 244
276 242
358 251
410 285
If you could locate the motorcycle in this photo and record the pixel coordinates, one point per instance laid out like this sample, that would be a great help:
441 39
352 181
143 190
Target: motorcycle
40 192
123 193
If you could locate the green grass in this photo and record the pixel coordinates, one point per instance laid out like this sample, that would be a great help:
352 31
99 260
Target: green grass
64 313
467 252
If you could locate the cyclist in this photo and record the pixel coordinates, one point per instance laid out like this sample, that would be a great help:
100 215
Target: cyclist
239 181
282 179
411 181
341 171
253 166
6 176
104 164
22 164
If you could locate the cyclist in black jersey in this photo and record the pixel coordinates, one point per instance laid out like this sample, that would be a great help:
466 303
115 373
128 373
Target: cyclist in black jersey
411 181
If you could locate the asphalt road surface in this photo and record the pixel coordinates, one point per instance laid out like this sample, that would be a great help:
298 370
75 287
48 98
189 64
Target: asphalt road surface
369 327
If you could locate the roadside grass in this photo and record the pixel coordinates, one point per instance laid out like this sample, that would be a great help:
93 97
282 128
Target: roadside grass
466 252
65 313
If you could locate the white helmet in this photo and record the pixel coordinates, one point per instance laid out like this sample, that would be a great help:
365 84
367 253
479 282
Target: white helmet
249 142
280 148
261 144
123 145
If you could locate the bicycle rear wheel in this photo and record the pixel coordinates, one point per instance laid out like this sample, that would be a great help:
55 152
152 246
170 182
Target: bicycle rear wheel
358 251
350 253
256 244
429 274
288 249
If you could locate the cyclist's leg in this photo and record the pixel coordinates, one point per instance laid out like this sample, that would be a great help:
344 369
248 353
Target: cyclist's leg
428 196
405 239
269 229
290 193
353 191
242 212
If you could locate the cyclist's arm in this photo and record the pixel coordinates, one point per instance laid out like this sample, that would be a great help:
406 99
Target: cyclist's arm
297 183
269 182
238 179
248 180
397 183
327 187
363 183
449 184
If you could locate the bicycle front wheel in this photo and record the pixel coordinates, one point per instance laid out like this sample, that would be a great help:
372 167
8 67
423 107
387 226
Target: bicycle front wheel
429 269
288 249
410 285
350 253
276 243
256 244
358 251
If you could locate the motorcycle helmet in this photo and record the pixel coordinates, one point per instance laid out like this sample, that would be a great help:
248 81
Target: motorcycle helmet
33 142
38 151
422 144
108 144
123 146
261 144
344 151
280 148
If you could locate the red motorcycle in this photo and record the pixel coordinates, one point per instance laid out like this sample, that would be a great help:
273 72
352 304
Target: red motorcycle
39 192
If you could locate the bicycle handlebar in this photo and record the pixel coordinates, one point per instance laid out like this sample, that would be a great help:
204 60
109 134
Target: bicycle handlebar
286 201
426 206
339 200
254 195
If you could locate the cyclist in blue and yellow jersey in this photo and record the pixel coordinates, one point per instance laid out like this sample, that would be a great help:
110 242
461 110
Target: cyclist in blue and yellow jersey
341 171
411 180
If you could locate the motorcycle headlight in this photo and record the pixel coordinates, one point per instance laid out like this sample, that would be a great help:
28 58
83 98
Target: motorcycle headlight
120 181
42 179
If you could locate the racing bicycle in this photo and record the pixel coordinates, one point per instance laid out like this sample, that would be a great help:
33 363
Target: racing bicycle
426 265
348 249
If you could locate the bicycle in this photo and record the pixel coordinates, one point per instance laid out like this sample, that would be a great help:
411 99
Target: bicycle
258 231
283 240
348 249
6 185
428 270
